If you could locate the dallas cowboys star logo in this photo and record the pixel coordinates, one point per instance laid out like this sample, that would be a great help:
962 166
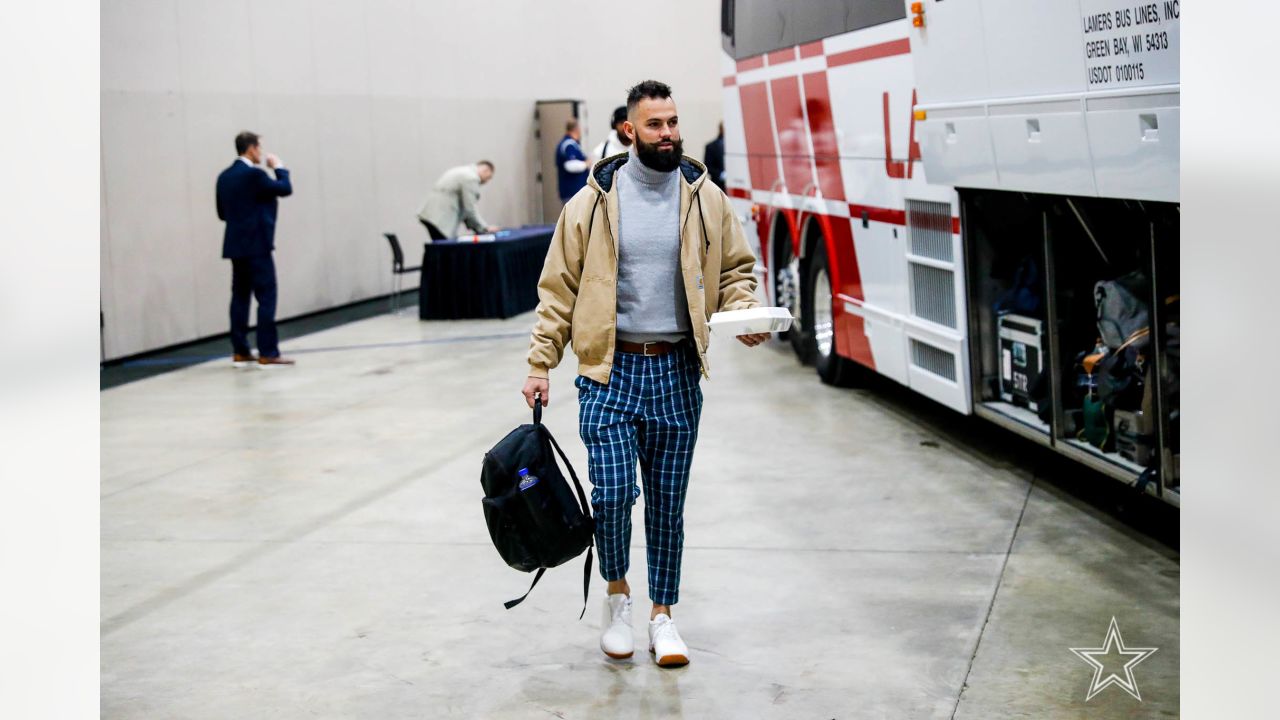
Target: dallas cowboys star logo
1113 640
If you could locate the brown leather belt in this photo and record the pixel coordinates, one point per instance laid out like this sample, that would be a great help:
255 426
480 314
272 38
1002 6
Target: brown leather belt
648 349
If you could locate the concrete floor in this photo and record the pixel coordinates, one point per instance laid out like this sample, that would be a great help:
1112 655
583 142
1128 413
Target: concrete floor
309 543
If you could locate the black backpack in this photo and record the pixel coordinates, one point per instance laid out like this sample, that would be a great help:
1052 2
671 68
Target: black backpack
533 518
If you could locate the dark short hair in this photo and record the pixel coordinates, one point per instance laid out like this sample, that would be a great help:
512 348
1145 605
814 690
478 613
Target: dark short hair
485 162
651 89
619 115
244 141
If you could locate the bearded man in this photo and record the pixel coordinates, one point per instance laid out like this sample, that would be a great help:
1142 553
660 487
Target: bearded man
641 258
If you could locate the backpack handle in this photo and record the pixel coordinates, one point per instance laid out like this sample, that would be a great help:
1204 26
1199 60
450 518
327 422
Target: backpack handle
537 408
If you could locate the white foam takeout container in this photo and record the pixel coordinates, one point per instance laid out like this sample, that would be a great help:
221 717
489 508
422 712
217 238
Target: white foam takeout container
750 322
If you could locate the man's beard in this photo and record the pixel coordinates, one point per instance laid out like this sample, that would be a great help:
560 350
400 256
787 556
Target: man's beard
660 160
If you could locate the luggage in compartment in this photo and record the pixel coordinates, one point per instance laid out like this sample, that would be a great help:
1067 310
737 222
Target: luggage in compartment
1021 359
1122 308
1133 436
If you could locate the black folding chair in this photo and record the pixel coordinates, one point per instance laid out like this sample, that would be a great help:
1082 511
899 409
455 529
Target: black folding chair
397 270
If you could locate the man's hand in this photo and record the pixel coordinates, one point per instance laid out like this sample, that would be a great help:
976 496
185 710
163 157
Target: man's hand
534 385
492 229
273 162
748 340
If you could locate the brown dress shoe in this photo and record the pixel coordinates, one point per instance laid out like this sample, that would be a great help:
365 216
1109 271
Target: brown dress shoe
238 360
275 361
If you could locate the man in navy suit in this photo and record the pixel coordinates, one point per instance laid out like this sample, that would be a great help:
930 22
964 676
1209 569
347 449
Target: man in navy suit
247 203
713 158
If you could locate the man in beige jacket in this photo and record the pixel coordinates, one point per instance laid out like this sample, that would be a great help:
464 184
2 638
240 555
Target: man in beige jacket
640 259
453 200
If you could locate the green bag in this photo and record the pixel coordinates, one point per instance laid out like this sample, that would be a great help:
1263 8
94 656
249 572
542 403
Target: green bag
1097 424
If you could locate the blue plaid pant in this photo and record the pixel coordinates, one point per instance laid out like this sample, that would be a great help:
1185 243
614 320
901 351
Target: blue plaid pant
648 412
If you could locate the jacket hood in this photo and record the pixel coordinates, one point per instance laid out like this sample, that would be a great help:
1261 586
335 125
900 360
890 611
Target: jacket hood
601 178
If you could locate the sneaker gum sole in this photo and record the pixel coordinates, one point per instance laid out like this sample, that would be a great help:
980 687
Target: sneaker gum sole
670 660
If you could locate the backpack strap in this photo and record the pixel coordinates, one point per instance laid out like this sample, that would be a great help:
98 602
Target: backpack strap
1136 336
586 510
512 603
586 579
582 497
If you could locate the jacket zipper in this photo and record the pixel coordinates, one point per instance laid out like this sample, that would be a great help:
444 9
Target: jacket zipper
693 197
608 227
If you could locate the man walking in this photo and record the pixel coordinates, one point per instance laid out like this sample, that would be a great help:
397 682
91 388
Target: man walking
571 162
640 259
453 201
246 200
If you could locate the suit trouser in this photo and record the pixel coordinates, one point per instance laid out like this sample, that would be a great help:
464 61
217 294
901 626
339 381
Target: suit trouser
256 277
433 231
648 412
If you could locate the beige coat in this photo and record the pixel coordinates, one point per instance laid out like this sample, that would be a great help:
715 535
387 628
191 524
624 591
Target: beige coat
577 293
453 200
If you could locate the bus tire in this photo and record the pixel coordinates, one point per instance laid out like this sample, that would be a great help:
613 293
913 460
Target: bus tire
786 281
801 335
833 368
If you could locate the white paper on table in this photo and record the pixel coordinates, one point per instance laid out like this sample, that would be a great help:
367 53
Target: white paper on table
751 322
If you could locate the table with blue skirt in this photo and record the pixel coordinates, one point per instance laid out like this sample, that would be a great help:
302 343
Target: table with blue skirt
492 278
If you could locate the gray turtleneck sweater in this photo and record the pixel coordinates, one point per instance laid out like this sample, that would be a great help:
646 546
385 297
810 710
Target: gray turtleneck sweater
651 298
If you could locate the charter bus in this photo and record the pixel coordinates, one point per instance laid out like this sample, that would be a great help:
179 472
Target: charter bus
978 200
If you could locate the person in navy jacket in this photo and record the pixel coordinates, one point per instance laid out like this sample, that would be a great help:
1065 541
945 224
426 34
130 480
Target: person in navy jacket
246 196
571 162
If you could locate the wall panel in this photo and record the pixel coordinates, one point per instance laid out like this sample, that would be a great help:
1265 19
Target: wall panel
291 127
148 219
367 103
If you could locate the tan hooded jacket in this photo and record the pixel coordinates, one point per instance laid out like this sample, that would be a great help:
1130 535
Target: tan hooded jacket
577 293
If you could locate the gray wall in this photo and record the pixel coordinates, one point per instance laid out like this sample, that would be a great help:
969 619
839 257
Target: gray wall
367 102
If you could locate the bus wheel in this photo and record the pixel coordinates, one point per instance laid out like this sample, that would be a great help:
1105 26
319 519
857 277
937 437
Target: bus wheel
801 332
832 368
786 288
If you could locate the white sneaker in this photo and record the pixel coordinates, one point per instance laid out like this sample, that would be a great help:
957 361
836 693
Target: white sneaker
617 640
665 643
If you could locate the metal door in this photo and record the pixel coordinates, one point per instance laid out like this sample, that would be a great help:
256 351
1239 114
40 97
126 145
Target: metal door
549 118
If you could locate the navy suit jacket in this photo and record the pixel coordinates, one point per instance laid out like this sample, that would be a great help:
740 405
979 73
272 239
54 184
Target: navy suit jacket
715 161
247 202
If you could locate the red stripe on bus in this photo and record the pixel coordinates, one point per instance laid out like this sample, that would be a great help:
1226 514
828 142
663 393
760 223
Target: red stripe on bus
751 63
731 81
878 214
874 214
826 148
851 336
871 52
778 57
762 162
812 49
793 134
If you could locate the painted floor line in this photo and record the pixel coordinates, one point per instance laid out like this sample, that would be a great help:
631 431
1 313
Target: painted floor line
197 359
